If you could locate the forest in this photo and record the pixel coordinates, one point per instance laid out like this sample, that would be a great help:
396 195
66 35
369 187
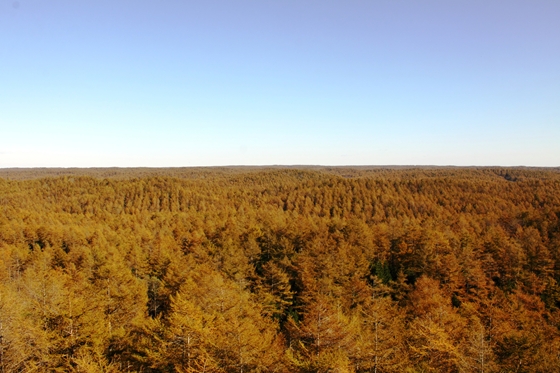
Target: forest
276 269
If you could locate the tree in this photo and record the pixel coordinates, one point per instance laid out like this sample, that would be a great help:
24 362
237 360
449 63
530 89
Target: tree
437 332
381 339
274 290
324 339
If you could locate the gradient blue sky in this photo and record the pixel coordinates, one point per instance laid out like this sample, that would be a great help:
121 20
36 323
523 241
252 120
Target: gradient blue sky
225 82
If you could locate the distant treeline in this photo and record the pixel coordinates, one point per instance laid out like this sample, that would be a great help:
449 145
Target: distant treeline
248 269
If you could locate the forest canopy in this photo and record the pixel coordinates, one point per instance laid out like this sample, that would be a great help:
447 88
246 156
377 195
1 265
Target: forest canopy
301 269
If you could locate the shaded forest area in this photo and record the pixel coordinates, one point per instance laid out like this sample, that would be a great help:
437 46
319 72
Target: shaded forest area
280 270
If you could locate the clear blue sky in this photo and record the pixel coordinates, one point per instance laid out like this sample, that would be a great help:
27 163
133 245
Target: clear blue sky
257 82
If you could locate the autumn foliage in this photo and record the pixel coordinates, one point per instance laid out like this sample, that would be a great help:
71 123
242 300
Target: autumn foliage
280 270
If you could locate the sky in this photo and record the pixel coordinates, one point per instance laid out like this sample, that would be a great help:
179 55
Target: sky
173 83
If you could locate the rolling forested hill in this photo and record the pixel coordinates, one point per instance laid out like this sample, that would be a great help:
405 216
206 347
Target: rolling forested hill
280 270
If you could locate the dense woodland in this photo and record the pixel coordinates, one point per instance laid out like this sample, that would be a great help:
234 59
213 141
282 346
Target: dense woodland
280 270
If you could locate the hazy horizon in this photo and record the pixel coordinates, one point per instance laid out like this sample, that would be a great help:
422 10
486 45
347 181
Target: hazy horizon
220 83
